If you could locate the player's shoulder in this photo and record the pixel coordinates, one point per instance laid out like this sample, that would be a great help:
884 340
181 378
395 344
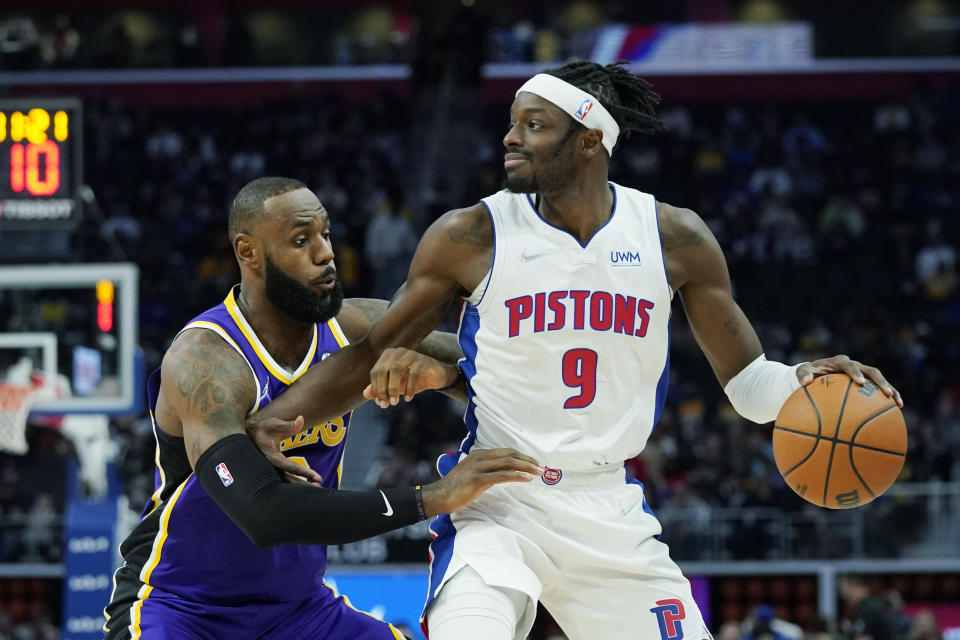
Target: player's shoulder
681 227
201 375
467 226
200 347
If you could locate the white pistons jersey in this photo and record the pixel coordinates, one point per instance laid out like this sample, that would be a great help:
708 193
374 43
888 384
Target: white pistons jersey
566 346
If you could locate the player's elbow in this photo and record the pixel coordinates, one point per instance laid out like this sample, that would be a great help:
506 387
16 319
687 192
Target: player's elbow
261 534
264 541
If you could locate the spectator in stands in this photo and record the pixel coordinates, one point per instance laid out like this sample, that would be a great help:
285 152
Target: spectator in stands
870 618
39 536
901 621
36 627
389 245
925 627
58 46
819 629
730 631
764 625
803 136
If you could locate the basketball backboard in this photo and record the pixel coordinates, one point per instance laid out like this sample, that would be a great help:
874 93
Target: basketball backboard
76 324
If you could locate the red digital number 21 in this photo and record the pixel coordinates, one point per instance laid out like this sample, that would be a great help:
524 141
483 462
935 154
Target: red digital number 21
579 369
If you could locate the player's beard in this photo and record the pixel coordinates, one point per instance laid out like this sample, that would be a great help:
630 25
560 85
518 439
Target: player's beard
556 176
298 301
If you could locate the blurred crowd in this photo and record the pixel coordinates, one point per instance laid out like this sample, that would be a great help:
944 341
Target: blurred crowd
125 38
835 217
865 613
116 35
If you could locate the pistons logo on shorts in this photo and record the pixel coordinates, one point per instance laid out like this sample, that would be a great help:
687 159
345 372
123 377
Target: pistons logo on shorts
584 109
224 474
551 476
669 614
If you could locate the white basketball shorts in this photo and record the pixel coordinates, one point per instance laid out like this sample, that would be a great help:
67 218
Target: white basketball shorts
585 546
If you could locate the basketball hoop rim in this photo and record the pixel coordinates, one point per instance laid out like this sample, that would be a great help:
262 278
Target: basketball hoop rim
15 401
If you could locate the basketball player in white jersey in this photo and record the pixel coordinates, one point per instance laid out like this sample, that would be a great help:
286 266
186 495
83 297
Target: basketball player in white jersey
566 280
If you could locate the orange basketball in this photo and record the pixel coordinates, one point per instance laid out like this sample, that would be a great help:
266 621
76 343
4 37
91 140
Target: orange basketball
839 444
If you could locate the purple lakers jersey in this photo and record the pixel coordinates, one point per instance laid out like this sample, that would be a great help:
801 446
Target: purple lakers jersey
184 544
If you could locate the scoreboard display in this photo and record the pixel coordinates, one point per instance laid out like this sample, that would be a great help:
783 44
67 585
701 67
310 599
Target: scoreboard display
40 163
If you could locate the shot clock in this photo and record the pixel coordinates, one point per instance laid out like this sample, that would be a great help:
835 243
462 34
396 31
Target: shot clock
40 163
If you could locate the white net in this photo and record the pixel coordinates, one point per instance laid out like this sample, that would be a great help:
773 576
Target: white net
15 402
22 387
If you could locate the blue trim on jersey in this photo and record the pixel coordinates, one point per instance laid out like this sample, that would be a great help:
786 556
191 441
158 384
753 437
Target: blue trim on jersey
493 260
469 326
613 212
663 385
442 527
442 549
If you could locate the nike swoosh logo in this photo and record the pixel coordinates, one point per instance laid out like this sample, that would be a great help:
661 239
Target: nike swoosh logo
527 257
624 512
389 511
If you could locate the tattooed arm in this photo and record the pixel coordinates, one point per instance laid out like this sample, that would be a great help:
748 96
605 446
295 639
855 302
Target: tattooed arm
206 391
697 270
358 315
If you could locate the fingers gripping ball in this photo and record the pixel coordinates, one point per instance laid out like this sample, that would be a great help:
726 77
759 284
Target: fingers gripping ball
839 444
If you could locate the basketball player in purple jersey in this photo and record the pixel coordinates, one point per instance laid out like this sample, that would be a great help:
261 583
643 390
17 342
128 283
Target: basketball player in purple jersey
567 281
225 548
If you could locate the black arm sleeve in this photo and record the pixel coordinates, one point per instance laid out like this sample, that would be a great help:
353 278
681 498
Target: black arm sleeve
273 512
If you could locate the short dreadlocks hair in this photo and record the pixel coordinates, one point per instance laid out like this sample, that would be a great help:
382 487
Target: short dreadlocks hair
630 99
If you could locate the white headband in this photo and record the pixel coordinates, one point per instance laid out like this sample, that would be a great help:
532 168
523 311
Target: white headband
581 106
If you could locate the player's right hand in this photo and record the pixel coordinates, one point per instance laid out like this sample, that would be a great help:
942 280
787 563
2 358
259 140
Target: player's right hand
404 373
473 475
267 434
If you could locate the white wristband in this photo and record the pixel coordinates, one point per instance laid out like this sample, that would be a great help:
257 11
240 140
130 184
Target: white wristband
760 389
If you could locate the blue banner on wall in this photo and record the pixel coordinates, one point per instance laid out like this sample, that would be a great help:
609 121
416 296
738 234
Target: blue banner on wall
89 556
394 596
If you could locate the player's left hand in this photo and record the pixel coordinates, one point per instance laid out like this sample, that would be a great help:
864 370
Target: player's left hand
856 370
267 434
404 373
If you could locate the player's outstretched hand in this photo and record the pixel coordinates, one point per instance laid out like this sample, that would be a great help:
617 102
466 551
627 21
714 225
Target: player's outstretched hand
856 370
404 373
267 434
474 474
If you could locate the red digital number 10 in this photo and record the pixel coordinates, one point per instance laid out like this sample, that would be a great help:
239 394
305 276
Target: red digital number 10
579 369
25 163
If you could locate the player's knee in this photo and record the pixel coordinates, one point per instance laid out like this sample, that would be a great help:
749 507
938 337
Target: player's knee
467 608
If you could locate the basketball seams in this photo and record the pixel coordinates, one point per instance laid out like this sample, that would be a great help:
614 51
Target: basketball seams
857 473
853 439
816 443
833 445
849 443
